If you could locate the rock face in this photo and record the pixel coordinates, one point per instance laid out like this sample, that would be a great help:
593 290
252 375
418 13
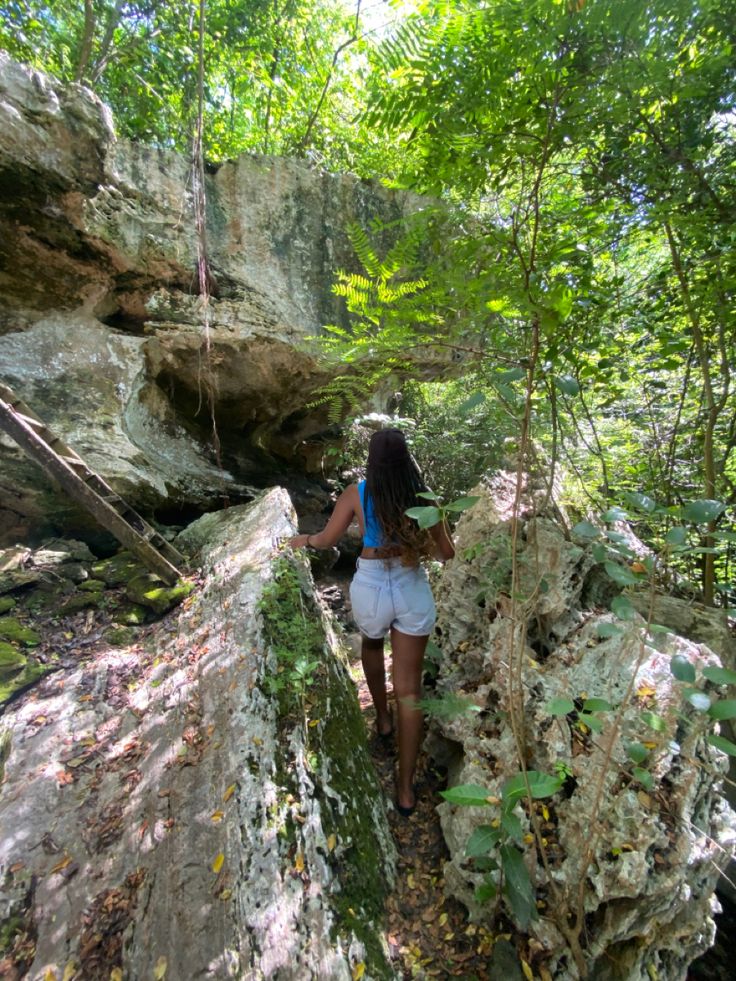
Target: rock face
203 803
101 327
621 850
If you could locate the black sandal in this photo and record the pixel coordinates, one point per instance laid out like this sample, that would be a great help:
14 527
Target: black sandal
406 811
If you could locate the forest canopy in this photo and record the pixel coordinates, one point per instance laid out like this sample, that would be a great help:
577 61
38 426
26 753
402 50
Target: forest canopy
575 262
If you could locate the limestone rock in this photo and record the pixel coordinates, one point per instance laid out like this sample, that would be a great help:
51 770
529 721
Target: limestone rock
186 816
643 842
104 335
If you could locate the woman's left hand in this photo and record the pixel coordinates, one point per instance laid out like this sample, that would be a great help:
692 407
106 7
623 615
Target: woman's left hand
299 541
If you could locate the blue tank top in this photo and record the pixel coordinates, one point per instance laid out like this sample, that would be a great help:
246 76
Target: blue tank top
372 534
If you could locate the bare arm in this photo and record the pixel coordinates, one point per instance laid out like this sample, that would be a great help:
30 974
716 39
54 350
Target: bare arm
444 547
338 523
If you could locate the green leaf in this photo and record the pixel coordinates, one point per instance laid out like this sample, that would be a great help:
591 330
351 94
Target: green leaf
640 501
608 630
699 701
599 552
725 708
461 504
540 785
472 403
682 669
486 890
636 752
725 745
623 608
428 495
584 529
644 777
468 794
560 706
654 721
566 384
517 886
614 514
676 535
425 517
700 512
597 705
482 840
620 574
511 375
512 826
591 721
720 676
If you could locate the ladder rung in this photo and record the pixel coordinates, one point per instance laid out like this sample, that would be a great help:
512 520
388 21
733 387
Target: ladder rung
30 420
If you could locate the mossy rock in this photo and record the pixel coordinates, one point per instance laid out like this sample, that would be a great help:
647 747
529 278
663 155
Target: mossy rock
17 578
118 569
11 659
148 590
13 630
92 586
80 601
12 684
120 636
6 603
132 614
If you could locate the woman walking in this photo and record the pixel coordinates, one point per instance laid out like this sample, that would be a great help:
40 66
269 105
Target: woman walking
390 591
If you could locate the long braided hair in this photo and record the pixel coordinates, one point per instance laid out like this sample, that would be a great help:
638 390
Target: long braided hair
392 482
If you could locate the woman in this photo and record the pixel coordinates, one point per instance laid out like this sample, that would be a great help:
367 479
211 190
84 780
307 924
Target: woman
390 591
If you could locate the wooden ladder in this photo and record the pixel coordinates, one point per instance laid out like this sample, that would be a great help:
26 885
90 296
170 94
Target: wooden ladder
86 487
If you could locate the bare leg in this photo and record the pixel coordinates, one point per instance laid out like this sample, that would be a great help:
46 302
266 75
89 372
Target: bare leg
408 657
371 656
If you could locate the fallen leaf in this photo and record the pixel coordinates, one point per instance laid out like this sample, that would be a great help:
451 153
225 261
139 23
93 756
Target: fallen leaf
229 792
443 919
17 867
217 816
218 862
544 974
160 969
331 842
61 865
299 861
410 881
358 971
71 969
50 974
226 894
116 974
528 973
313 723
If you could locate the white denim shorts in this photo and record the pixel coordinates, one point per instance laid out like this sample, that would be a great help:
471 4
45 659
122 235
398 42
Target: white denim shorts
385 593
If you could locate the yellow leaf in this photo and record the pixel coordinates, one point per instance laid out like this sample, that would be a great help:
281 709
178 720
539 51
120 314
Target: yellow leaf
226 894
71 969
217 816
229 792
116 974
443 919
650 745
217 864
299 862
528 973
50 974
645 691
59 867
358 971
545 812
160 969
312 724
331 842
449 935
528 838
257 741
410 880
544 974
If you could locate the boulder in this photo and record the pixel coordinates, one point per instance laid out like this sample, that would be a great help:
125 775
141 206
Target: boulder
177 402
200 804
612 867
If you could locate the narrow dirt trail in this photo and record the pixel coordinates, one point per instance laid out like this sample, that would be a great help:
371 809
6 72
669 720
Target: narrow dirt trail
429 935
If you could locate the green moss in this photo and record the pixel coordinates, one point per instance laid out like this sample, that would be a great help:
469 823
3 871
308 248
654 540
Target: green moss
13 630
22 679
120 636
11 658
6 603
294 631
148 590
80 601
92 585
